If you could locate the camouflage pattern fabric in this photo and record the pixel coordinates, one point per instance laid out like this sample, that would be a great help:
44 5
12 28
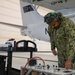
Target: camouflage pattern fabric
63 39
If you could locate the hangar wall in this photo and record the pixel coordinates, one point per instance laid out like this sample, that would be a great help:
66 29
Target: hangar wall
10 13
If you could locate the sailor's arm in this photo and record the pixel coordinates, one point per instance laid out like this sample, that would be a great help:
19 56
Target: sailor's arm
52 41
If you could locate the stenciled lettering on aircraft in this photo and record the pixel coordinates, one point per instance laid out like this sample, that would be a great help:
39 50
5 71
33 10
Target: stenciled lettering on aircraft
28 8
46 31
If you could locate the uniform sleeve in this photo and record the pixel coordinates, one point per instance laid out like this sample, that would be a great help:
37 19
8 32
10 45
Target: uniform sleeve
52 44
70 39
51 38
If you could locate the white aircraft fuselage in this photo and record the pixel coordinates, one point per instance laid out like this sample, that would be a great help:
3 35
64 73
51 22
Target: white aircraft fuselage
34 22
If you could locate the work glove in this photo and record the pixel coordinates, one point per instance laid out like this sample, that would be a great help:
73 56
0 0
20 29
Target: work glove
68 64
54 52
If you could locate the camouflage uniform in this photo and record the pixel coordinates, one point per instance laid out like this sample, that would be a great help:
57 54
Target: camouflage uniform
63 39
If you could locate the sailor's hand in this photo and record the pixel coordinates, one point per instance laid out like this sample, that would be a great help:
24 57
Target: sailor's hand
54 52
68 64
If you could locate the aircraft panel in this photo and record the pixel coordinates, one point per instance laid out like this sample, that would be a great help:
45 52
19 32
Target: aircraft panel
55 4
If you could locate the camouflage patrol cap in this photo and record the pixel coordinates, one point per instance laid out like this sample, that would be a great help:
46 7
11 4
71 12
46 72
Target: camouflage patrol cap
49 17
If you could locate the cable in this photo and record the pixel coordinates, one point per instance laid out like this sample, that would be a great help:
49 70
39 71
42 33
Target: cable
29 61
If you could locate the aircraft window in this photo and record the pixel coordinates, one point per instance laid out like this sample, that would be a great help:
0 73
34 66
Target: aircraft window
28 8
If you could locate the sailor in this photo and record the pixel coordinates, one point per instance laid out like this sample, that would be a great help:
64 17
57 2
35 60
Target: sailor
62 37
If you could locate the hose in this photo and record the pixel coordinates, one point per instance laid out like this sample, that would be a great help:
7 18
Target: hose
29 61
